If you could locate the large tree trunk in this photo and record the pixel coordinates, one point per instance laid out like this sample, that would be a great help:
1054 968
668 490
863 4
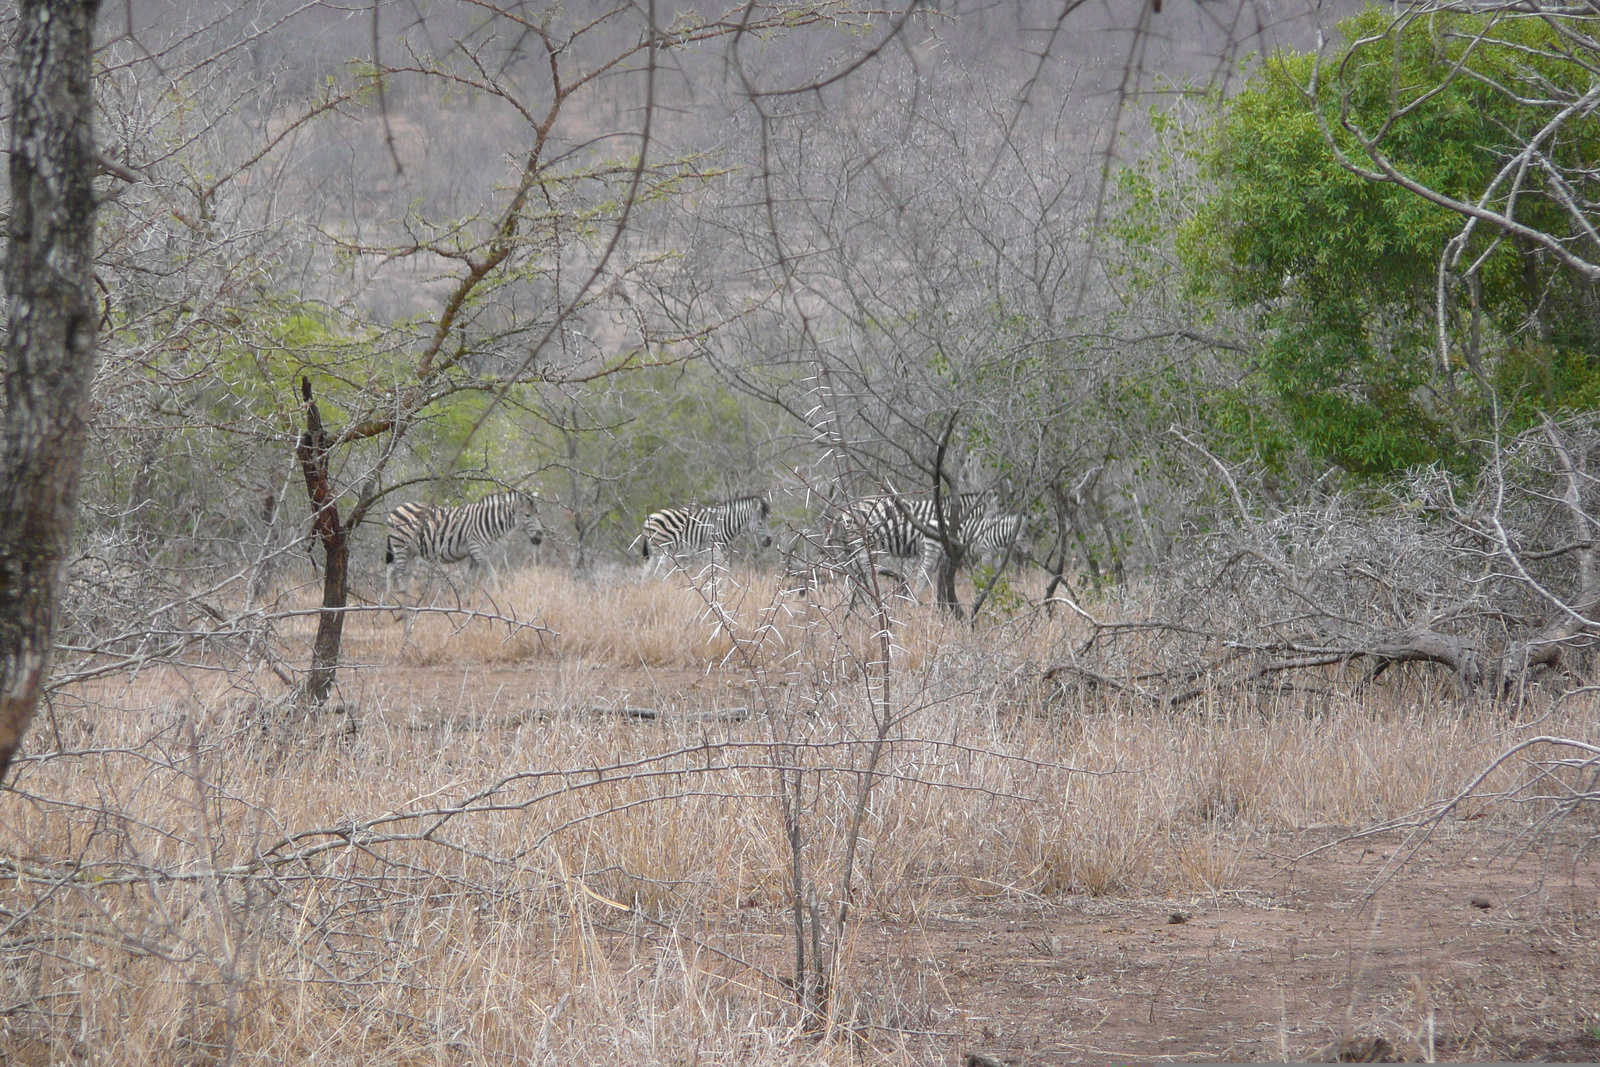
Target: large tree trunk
312 453
50 343
945 582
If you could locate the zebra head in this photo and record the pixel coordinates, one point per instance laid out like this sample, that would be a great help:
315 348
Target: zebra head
527 513
763 531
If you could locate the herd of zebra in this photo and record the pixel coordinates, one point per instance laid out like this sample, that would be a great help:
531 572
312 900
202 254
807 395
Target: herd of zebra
857 538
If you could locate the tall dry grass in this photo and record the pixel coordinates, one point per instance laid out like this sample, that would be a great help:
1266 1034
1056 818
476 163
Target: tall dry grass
474 865
684 620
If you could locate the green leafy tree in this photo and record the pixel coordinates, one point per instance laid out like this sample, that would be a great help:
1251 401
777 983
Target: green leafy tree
616 449
1392 335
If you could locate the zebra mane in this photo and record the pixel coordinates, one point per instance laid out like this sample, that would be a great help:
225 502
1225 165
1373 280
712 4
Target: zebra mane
513 495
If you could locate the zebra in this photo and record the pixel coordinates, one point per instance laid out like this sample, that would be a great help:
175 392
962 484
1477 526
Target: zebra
903 527
673 532
450 535
988 538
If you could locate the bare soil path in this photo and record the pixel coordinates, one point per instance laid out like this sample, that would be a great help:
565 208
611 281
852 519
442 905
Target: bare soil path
1280 971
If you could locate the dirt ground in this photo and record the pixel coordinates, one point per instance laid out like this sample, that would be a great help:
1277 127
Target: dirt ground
1281 969
1475 948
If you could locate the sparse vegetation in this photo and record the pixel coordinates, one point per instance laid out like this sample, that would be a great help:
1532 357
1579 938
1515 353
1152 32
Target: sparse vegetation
1247 448
489 854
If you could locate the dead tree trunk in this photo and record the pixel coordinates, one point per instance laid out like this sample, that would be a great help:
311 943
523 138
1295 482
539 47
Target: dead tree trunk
50 341
312 452
947 519
1573 622
945 582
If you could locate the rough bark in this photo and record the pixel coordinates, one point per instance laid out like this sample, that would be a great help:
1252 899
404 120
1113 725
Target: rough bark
50 340
1423 645
312 452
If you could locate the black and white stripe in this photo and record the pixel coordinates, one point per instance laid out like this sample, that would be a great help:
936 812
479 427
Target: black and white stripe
450 535
673 533
988 538
907 528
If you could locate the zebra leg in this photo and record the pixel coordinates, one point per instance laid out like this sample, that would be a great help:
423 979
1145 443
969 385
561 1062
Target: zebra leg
719 568
401 567
664 559
667 560
481 564
687 562
859 576
660 560
926 562
409 618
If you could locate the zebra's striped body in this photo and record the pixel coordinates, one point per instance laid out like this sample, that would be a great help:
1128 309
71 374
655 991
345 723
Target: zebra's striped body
673 533
988 538
903 527
450 535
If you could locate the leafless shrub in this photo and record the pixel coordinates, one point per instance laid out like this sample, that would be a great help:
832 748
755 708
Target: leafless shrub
1493 583
472 841
486 867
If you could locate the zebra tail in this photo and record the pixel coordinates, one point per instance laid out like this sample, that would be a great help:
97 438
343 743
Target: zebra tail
645 548
388 552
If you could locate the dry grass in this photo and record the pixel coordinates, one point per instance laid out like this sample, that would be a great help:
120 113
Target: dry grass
195 885
619 620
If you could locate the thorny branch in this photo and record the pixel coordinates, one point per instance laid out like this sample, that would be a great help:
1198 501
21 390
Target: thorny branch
1500 590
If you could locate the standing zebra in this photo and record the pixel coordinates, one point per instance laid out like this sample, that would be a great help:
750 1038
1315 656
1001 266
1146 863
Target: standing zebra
989 537
903 527
450 535
675 532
